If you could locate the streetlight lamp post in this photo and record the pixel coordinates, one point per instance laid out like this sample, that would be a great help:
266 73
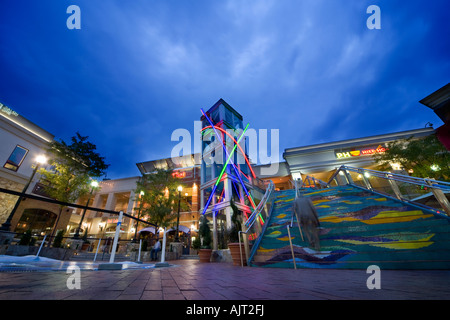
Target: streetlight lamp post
7 224
94 184
177 238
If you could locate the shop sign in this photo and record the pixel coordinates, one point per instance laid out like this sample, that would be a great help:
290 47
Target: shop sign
182 174
7 110
179 174
361 152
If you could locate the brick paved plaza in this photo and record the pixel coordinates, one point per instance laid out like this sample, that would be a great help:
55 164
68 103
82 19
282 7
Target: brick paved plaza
191 280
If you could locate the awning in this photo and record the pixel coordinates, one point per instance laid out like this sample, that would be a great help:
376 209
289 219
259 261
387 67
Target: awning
148 229
180 228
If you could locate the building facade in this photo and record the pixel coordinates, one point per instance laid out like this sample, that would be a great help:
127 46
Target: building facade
22 142
321 160
208 186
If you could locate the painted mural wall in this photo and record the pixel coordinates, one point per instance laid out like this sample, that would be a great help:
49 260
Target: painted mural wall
357 229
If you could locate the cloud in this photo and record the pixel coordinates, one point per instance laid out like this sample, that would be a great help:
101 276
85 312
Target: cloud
252 60
137 71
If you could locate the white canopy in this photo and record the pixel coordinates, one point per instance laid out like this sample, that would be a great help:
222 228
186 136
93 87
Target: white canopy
180 228
148 229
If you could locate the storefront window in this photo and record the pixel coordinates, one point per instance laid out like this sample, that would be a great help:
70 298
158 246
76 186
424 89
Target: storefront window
39 221
16 158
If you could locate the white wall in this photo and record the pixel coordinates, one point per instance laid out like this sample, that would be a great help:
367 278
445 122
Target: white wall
11 135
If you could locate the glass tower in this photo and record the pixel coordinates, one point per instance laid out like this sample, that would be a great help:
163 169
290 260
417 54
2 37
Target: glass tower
225 170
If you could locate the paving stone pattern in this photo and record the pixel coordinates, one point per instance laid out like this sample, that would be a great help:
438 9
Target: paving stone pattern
192 280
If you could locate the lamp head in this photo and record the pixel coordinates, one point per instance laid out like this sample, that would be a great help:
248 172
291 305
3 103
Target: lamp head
41 159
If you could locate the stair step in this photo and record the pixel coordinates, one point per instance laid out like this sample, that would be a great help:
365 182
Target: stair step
190 257
89 256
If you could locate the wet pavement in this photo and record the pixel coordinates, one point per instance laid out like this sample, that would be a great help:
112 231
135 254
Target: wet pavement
195 281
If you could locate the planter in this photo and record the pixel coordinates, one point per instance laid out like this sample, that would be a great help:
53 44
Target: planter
236 253
205 255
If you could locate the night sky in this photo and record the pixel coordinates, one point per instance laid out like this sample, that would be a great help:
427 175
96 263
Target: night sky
137 70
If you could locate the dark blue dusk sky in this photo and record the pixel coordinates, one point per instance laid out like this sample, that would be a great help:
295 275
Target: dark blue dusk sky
137 70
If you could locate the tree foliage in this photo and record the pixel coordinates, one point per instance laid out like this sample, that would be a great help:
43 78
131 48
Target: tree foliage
426 157
61 183
233 233
160 197
80 156
204 233
71 167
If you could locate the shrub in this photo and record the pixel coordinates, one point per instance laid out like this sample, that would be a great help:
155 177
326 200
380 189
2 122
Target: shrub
25 239
196 243
205 233
57 243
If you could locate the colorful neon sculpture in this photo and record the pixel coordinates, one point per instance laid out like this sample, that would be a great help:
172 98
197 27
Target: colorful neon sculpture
231 154
242 151
228 161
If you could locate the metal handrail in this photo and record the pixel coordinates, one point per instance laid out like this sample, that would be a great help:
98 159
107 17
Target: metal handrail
252 218
290 241
395 176
290 225
316 182
438 188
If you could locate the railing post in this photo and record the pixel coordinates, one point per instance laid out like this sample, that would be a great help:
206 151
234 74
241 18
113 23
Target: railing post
292 248
96 251
139 251
341 177
116 238
348 176
366 180
246 245
40 247
394 187
440 197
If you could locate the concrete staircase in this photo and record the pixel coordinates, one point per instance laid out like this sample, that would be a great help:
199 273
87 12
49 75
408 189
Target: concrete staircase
358 229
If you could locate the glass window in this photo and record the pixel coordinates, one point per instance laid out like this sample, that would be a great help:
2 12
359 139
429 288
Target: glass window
215 116
37 220
16 158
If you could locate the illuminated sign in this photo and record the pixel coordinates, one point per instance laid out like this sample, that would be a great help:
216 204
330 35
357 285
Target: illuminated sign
179 174
183 174
7 110
362 152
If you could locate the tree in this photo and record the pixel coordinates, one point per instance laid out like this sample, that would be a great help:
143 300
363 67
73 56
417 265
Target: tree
160 197
71 169
426 157
204 232
58 239
80 155
233 233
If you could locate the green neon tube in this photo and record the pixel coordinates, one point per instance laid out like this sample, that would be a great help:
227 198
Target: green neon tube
231 154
